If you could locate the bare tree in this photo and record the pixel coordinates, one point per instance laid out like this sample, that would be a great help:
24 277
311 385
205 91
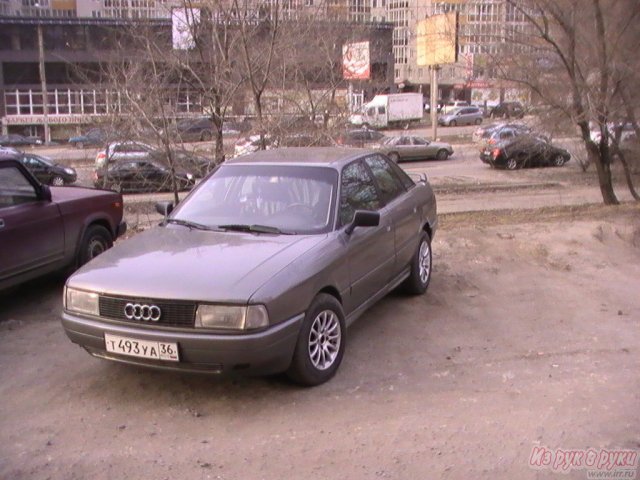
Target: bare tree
572 63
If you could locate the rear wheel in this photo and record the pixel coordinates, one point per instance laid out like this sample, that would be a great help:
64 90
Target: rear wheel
442 154
453 123
79 145
478 121
321 342
512 163
57 181
420 276
95 241
205 136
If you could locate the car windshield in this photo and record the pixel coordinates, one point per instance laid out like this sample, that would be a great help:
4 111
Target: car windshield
287 199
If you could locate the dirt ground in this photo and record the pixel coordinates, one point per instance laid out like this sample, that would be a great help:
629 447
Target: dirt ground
528 336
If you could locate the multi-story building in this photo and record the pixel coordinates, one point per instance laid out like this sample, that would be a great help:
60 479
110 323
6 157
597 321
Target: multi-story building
78 37
484 27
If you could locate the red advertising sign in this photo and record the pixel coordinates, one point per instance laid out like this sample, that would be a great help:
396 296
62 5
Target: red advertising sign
356 61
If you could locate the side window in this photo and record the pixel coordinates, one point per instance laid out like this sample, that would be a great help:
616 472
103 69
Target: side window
419 141
405 179
390 186
15 188
381 110
357 192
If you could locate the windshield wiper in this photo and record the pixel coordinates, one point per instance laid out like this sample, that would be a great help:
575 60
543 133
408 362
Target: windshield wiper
253 229
187 223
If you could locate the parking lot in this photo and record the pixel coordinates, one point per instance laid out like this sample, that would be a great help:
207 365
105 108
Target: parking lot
527 337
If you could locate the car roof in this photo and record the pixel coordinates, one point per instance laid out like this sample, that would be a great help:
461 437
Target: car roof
334 157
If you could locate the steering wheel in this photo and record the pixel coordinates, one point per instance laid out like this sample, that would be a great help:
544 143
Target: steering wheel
299 206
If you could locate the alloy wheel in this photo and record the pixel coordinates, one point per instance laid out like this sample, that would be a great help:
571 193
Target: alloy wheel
424 261
324 339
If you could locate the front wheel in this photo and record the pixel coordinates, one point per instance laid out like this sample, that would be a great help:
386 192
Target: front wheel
95 241
478 121
453 123
442 155
79 145
559 160
394 157
420 275
321 342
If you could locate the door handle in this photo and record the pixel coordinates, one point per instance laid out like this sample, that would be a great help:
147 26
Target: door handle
388 228
1 223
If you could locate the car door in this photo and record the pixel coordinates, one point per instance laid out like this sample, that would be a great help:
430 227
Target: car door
420 148
402 207
31 228
370 250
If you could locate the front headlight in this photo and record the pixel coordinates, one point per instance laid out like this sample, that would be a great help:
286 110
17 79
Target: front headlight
69 171
232 317
81 302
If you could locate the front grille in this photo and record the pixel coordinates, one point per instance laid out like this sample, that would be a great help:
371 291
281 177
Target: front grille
173 313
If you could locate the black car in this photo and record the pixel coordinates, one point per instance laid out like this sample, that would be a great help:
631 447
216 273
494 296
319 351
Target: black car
16 140
141 176
507 110
359 137
525 151
47 171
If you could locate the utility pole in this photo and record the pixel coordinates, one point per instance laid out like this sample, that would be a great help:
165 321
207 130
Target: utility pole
434 102
43 84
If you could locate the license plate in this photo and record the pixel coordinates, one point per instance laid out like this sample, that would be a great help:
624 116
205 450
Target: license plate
141 348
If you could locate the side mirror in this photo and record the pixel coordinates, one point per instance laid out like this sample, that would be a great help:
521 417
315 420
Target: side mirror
164 208
363 218
45 193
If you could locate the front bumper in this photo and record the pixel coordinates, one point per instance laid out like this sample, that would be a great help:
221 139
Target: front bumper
265 352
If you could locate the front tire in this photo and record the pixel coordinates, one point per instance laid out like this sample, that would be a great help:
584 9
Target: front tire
394 157
420 276
512 164
453 123
95 241
321 342
559 161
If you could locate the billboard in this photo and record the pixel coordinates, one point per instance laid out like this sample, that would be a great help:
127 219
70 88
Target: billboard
356 63
183 25
437 38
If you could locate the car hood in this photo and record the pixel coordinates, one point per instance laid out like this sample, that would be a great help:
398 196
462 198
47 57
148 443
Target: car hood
177 263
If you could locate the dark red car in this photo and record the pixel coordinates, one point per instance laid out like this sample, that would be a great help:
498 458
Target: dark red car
43 229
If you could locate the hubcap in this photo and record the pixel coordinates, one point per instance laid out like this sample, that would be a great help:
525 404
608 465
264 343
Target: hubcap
559 160
96 247
424 261
58 181
324 340
512 164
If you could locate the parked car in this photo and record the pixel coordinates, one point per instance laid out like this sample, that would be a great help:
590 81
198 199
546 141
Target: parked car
16 140
251 144
507 110
261 268
124 150
427 106
450 106
525 151
461 116
196 164
44 229
360 137
47 171
141 176
407 147
627 131
93 137
504 133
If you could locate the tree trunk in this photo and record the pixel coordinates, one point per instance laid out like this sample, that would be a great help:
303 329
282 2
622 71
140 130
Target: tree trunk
627 175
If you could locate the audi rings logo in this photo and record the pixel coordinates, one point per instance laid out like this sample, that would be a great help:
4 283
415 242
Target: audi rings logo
136 311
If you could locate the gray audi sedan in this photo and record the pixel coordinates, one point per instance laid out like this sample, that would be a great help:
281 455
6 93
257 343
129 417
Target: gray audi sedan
261 268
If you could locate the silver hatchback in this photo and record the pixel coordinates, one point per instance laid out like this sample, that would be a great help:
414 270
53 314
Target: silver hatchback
462 116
